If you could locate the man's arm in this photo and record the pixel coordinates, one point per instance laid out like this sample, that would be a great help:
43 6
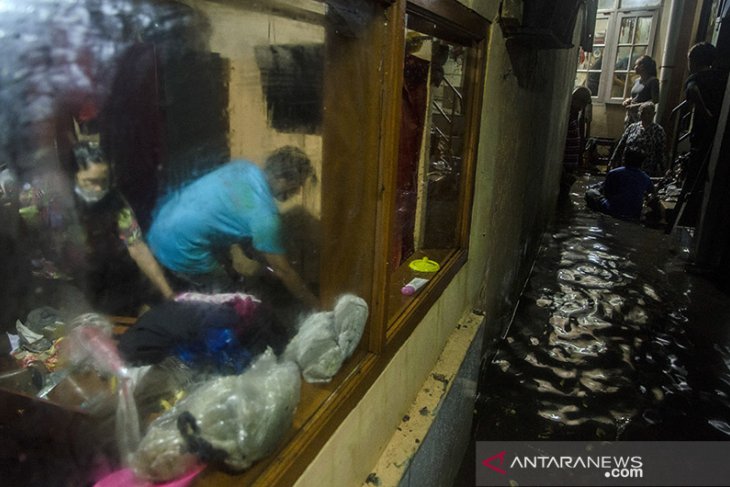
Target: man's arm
609 185
291 279
241 263
147 263
694 96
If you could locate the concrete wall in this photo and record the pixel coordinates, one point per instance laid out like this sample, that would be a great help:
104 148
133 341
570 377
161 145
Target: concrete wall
520 152
522 136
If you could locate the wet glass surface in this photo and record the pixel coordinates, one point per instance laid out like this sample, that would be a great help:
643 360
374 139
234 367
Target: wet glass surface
611 340
164 93
112 109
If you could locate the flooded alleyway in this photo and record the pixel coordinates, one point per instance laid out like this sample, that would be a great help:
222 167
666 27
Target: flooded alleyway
612 340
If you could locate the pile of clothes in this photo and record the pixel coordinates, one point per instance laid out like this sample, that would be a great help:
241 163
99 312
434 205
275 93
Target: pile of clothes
217 377
246 403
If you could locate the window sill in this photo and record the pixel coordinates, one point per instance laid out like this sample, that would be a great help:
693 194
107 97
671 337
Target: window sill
418 305
321 409
397 302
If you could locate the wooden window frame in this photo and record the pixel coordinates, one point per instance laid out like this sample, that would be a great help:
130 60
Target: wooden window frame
361 265
454 23
381 341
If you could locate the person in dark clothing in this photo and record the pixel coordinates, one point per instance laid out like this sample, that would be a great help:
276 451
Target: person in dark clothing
112 235
704 90
90 240
623 192
579 100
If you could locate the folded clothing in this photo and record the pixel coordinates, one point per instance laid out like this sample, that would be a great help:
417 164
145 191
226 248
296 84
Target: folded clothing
199 333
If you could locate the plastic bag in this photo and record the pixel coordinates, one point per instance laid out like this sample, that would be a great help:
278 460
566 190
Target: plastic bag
315 349
90 341
233 420
351 313
326 339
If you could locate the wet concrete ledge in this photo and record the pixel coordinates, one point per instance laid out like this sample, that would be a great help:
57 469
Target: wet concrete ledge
432 437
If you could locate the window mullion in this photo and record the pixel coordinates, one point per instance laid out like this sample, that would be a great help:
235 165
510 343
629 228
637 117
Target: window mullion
609 54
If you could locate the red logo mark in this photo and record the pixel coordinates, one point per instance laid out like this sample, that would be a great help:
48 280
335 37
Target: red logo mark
500 456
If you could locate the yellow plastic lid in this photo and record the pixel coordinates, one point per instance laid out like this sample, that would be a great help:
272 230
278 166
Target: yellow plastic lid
424 265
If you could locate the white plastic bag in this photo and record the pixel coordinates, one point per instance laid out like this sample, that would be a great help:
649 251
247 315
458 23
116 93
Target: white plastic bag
326 339
314 348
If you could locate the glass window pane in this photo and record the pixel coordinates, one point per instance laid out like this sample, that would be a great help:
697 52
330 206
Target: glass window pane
592 62
622 59
606 4
638 3
592 81
632 79
169 93
596 58
587 60
428 182
627 30
600 31
163 95
618 87
637 52
643 29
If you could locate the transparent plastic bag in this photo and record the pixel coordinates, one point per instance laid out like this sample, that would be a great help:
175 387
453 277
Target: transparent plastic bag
90 339
326 339
90 342
232 420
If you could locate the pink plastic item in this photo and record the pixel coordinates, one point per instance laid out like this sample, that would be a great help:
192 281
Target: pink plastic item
127 478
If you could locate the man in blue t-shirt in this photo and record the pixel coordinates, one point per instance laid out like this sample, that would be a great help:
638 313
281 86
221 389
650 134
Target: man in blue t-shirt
215 214
624 189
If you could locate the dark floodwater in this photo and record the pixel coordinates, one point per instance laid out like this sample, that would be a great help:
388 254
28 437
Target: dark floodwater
611 340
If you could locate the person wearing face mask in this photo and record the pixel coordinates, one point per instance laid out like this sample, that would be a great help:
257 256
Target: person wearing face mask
198 230
109 246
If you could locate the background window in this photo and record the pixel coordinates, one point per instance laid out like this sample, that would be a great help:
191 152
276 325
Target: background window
621 37
606 4
639 3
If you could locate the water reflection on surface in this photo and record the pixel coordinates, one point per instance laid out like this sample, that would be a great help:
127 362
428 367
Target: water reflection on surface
611 340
